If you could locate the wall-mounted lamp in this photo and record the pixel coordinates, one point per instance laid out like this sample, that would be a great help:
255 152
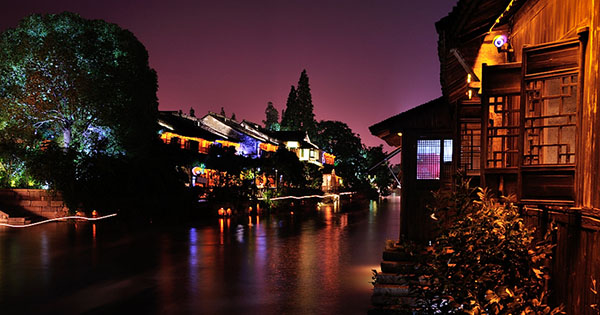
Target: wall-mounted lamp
399 134
500 40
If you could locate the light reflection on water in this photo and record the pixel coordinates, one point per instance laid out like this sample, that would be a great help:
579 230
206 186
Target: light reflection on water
282 264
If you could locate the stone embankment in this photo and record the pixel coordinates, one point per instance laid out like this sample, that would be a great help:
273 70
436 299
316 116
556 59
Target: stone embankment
20 206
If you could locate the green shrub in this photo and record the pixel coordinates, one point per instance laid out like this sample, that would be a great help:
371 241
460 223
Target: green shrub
484 259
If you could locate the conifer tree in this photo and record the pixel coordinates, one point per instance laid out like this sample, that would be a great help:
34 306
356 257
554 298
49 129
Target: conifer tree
272 118
289 117
305 105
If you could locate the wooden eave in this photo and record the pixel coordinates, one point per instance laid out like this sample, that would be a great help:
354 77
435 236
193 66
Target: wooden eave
432 117
464 29
187 127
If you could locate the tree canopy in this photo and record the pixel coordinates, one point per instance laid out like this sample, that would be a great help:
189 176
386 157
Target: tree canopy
83 83
299 114
78 98
337 138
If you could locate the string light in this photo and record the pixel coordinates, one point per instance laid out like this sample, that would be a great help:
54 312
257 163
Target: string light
502 15
311 196
58 219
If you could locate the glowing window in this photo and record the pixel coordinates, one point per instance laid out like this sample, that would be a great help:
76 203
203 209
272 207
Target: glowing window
428 159
447 150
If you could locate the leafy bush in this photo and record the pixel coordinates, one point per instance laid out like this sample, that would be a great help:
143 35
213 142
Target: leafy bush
484 261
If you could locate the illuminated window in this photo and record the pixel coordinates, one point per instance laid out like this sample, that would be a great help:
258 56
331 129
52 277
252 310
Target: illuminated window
550 120
428 159
470 147
503 131
550 105
447 150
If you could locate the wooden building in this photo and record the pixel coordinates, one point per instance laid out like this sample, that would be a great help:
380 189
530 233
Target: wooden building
521 81
299 143
425 134
253 142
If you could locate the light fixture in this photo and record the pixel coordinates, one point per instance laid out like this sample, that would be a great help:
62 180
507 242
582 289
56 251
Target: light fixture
500 40
399 134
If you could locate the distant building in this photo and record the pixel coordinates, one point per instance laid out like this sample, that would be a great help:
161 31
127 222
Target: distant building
299 143
197 136
186 132
252 141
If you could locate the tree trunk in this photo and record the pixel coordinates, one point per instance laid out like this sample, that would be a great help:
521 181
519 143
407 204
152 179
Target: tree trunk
66 137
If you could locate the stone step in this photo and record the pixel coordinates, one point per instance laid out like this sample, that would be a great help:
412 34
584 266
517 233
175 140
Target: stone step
397 267
391 289
18 220
394 278
404 302
396 255
391 310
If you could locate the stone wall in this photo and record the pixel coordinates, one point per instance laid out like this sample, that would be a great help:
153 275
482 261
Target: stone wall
32 202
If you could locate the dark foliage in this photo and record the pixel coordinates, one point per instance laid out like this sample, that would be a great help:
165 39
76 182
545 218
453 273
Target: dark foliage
272 118
484 259
350 157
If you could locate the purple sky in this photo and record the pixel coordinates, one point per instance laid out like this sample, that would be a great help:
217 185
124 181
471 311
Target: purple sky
366 60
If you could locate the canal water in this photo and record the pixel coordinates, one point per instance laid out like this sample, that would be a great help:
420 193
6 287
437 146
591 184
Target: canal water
316 263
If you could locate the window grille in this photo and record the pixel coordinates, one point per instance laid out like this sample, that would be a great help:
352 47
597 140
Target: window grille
550 120
470 147
428 159
503 131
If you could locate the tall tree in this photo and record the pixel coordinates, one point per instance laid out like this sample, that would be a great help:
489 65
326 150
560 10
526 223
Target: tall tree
86 83
305 105
272 118
86 86
298 114
289 117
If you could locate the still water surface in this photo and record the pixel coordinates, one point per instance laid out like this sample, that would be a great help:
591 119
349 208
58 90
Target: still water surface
281 264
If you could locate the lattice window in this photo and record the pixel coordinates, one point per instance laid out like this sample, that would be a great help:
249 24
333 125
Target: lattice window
503 131
428 159
550 120
470 147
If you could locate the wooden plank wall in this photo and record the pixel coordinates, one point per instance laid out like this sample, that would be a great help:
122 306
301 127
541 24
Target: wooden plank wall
576 261
590 100
544 21
541 21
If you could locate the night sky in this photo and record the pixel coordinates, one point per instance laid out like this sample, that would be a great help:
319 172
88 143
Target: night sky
366 60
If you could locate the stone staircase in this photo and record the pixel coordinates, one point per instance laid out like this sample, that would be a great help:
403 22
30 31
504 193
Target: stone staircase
14 220
392 286
22 206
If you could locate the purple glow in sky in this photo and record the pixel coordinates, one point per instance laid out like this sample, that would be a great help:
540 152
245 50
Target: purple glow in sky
366 60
